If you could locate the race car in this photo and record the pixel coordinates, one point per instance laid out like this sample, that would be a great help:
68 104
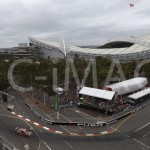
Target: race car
23 132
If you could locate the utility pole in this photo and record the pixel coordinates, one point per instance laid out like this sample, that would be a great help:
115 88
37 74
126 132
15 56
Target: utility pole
44 99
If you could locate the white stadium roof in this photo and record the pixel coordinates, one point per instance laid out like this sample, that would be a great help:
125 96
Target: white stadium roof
140 94
140 48
104 94
128 86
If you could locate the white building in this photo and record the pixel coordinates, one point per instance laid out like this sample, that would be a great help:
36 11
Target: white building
139 49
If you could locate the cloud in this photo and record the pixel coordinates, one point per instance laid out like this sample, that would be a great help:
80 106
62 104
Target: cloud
80 22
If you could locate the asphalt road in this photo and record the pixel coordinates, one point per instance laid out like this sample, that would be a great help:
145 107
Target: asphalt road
132 133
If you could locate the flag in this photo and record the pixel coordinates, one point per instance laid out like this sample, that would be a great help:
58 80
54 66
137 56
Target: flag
131 5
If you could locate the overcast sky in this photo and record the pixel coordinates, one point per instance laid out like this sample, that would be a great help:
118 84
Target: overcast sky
80 22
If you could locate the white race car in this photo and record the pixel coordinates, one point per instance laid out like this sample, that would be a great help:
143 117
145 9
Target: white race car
23 132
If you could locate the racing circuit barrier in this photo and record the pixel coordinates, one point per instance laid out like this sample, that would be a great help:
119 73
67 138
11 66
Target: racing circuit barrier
5 145
128 112
109 120
10 97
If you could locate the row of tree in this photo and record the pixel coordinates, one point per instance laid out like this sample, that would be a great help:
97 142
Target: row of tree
25 73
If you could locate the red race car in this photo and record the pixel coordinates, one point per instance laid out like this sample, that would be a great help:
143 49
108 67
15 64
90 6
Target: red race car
23 132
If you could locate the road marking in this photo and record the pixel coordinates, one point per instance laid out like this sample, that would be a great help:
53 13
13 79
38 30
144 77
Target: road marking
52 114
46 128
80 128
65 118
124 121
46 145
69 120
68 144
144 145
146 134
142 127
64 129
36 124
66 112
82 114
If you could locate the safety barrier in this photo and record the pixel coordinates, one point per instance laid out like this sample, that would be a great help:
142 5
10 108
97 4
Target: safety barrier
108 121
5 145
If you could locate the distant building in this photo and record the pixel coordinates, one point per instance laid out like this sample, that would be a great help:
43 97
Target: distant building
23 51
124 48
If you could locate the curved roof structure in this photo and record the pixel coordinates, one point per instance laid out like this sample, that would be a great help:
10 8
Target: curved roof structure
128 86
139 50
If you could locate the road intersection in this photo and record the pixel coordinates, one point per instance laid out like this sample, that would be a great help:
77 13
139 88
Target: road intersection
131 133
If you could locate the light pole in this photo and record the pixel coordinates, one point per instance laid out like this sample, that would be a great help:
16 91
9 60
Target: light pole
44 95
58 91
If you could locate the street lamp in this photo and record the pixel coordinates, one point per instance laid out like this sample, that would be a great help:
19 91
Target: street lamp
44 95
58 91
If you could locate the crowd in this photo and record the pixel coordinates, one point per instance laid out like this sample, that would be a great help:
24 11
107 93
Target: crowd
115 106
65 103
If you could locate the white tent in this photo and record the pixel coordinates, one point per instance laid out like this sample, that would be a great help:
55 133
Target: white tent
128 86
104 94
140 94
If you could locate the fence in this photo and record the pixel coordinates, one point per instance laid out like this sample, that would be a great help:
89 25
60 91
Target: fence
5 145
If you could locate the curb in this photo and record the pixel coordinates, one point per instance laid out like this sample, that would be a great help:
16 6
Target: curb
63 133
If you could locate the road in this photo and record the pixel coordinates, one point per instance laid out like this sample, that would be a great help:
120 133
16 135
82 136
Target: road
132 133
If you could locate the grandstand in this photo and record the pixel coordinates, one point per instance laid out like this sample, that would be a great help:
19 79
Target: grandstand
116 97
128 48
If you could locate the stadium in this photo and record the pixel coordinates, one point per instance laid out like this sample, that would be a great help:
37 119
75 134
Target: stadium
124 48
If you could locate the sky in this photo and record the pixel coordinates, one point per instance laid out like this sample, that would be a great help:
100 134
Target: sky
79 22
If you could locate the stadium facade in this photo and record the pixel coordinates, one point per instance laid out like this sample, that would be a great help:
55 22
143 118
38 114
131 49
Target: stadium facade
139 49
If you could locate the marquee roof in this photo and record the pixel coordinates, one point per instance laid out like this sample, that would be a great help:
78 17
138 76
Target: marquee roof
128 86
140 94
103 94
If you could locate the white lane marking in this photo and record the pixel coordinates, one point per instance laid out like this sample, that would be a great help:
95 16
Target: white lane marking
64 129
46 128
105 132
36 124
74 134
39 145
28 120
69 120
65 118
52 114
145 135
89 134
82 114
19 116
66 112
142 127
51 119
59 132
68 144
80 127
46 145
144 145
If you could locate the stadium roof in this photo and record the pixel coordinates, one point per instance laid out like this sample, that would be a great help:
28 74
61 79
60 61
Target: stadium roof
140 48
140 94
104 94
128 86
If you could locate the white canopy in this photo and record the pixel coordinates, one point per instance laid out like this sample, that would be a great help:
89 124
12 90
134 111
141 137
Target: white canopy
104 94
140 94
128 86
